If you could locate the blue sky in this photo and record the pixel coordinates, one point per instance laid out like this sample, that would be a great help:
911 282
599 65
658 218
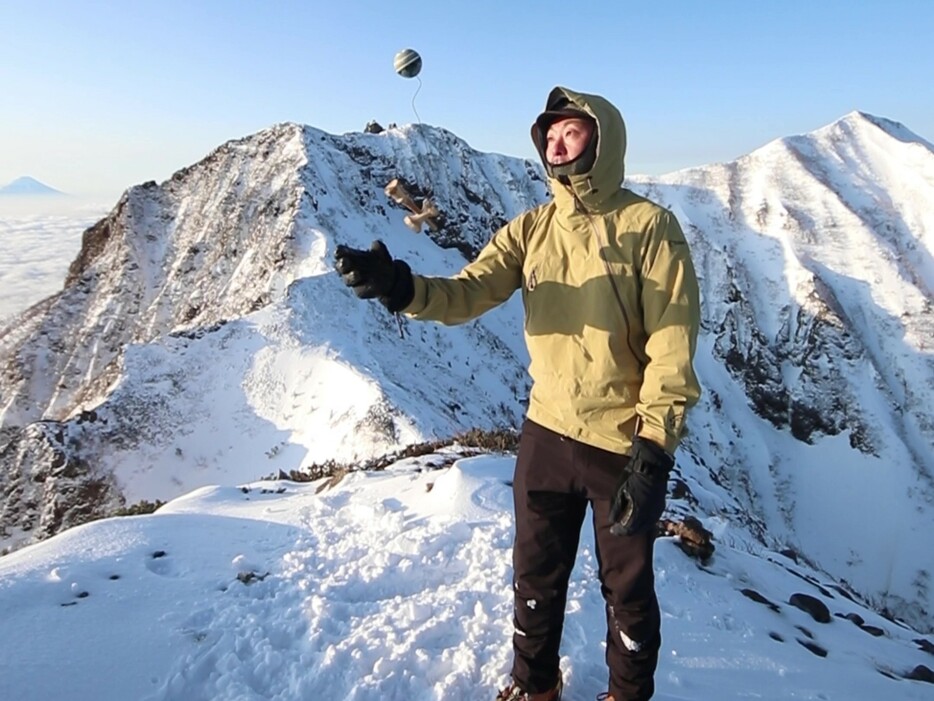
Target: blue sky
98 96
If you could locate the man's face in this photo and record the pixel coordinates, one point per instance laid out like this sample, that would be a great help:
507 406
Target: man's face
566 139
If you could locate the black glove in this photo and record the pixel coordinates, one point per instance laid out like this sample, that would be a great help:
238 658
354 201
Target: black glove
374 274
639 498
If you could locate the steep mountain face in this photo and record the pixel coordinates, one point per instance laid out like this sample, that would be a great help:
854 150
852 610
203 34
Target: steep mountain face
825 240
132 363
202 337
816 267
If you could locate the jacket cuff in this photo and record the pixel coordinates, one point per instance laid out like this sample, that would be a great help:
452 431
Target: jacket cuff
419 296
659 436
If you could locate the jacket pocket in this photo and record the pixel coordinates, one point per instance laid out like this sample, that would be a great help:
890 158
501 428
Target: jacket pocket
625 292
552 305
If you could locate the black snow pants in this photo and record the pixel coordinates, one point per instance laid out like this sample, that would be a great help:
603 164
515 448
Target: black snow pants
556 478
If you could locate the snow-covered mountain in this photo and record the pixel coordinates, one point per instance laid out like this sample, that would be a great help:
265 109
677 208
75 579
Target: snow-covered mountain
27 185
202 338
816 258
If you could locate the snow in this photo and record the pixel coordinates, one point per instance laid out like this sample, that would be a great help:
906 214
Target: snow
822 237
28 187
394 585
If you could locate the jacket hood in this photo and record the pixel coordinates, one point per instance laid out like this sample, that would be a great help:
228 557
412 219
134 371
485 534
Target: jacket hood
606 176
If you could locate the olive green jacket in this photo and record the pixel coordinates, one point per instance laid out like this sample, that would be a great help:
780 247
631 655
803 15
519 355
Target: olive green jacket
610 295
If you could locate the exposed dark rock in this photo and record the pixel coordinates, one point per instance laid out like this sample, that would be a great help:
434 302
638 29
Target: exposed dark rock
843 592
813 647
812 581
921 674
93 242
854 617
681 490
757 597
806 409
249 577
693 538
815 607
47 485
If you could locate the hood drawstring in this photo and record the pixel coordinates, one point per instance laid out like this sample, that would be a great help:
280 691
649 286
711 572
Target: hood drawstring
590 188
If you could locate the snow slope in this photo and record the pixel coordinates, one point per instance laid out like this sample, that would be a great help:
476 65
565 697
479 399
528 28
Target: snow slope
396 586
815 255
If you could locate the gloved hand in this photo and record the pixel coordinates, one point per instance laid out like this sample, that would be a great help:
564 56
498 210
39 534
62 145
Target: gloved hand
639 498
374 274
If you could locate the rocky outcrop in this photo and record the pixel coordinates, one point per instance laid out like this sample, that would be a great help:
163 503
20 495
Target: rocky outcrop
47 487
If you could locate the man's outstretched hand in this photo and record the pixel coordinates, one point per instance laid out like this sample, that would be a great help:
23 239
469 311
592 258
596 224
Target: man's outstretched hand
373 274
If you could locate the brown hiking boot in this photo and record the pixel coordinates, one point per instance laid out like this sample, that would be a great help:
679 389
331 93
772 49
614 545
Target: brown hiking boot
514 693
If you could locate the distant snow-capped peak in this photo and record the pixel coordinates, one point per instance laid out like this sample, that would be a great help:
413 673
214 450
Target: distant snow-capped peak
27 185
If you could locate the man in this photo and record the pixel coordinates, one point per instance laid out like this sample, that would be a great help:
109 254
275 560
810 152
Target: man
611 320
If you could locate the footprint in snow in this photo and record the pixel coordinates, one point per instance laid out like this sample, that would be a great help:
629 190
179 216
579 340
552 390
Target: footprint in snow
79 591
160 563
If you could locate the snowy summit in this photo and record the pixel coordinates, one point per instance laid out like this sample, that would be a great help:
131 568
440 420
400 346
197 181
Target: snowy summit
28 186
201 343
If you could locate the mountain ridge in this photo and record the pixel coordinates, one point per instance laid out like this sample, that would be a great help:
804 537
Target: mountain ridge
892 128
202 336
